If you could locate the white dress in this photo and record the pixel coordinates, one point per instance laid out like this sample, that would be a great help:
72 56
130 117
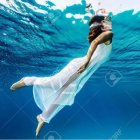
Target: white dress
61 88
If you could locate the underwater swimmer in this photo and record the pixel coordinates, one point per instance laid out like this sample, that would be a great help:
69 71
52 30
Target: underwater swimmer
100 32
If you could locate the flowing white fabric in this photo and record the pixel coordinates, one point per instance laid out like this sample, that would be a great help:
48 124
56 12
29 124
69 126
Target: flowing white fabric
61 88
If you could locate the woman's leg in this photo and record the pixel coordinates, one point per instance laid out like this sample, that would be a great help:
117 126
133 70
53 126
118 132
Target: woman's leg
55 106
44 116
25 81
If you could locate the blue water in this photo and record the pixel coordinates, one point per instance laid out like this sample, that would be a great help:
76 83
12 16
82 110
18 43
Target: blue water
31 44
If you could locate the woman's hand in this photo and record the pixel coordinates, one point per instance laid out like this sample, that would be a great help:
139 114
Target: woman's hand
83 67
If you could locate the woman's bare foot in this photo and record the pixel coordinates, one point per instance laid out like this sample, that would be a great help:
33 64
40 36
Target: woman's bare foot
18 84
40 124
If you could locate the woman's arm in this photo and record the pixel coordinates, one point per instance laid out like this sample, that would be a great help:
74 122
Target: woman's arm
102 38
90 51
88 57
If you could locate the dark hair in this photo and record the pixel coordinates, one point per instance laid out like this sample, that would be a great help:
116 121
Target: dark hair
96 19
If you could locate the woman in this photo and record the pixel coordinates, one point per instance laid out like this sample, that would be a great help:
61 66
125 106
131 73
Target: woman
100 32
51 94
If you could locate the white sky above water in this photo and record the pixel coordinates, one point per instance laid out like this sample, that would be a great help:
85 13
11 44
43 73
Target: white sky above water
115 6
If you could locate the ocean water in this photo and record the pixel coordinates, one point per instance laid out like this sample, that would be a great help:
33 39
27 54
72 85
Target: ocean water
36 40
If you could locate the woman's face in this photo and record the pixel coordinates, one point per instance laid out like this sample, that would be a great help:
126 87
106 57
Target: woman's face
102 12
